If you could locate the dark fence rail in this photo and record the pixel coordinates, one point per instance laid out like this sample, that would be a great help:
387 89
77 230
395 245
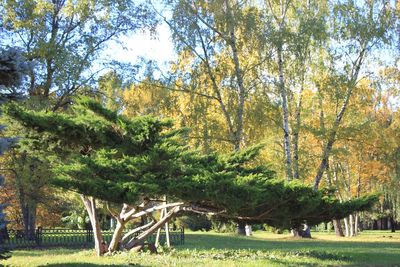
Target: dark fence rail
77 238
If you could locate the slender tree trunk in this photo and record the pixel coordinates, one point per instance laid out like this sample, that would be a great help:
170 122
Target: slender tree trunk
356 223
28 208
239 76
159 230
117 235
285 118
392 225
29 218
351 224
296 132
90 205
27 202
231 39
333 132
346 226
138 229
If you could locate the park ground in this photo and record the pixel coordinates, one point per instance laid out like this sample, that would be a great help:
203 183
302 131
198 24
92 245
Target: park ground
370 248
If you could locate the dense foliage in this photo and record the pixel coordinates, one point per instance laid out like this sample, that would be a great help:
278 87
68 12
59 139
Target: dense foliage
12 69
110 157
316 82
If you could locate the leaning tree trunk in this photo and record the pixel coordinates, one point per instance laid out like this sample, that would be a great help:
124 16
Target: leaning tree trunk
333 132
142 237
90 205
338 227
127 214
117 236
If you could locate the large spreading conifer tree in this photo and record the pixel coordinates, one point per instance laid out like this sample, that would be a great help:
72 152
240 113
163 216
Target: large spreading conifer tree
136 161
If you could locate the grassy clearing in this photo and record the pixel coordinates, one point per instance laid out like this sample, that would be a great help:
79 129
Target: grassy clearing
211 249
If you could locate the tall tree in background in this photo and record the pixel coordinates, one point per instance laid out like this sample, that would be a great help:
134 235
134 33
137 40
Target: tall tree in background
63 40
212 36
356 29
293 32
12 70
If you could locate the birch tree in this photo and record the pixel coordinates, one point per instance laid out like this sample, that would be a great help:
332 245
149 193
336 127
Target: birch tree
356 30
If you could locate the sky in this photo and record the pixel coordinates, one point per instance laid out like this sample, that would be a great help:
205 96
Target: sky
158 48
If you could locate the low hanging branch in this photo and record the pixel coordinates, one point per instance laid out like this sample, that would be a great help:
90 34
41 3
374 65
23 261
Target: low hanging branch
132 215
140 239
138 229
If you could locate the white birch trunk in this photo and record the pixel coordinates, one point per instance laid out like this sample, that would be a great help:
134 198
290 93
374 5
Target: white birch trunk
285 117
351 224
333 132
356 221
346 227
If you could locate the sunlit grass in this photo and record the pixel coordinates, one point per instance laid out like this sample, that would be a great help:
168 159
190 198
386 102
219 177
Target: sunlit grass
213 249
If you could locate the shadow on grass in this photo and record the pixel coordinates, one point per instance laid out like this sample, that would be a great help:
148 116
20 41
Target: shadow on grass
351 252
208 241
78 264
38 252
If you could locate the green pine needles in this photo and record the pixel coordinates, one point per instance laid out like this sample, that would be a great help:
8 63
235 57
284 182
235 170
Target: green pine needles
126 160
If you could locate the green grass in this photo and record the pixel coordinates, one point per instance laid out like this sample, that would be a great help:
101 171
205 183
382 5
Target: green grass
212 249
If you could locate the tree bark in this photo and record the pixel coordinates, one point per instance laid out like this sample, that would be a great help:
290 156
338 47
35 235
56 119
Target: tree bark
338 227
241 228
117 235
332 135
133 231
356 222
140 239
296 132
29 218
285 117
239 77
351 224
346 227
90 205
27 197
392 225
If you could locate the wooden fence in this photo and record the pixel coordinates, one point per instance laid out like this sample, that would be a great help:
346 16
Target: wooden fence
74 238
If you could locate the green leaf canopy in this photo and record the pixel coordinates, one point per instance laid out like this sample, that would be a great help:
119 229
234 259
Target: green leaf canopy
126 160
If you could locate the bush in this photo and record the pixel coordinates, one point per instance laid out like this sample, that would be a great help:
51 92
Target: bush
273 229
194 222
223 226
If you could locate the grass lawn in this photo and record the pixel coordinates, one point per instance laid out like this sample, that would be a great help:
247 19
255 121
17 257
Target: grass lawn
376 248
